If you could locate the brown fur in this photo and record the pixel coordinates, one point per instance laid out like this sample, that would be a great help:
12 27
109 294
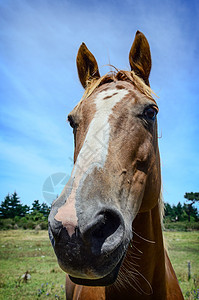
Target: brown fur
133 158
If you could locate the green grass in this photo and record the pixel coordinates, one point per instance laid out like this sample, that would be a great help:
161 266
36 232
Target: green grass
184 247
24 250
28 250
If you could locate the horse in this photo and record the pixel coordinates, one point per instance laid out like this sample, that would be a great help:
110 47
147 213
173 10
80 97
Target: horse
106 226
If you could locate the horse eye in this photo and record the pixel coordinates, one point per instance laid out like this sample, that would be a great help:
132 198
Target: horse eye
151 112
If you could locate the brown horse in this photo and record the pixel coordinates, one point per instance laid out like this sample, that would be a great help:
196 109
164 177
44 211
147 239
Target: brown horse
105 227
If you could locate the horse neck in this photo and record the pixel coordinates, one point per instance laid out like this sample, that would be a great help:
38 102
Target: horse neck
143 270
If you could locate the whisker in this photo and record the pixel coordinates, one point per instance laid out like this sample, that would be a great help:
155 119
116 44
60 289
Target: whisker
146 282
152 242
137 249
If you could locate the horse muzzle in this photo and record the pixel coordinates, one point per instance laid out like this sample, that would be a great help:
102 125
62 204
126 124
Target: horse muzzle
93 254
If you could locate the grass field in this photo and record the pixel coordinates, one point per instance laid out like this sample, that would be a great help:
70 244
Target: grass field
23 250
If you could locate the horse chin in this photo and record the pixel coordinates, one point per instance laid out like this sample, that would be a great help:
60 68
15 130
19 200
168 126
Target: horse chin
104 281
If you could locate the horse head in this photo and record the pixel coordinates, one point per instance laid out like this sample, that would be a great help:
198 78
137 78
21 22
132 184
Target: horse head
116 172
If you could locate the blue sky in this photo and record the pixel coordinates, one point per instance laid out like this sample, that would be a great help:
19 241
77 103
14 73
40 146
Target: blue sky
39 85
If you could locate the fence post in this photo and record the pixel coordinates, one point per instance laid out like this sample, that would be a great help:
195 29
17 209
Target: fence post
189 270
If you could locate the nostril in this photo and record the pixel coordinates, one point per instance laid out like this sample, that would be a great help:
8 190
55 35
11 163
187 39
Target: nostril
106 226
105 232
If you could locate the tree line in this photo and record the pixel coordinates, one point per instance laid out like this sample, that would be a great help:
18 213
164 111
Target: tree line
185 212
12 207
14 214
181 212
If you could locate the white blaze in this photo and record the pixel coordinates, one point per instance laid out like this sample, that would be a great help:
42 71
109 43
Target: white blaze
96 144
93 153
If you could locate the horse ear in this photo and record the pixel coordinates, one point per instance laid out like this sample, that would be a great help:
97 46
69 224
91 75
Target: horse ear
140 57
86 65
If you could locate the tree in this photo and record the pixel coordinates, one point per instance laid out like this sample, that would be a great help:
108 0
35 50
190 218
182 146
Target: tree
193 197
168 210
191 211
45 209
17 208
11 207
40 209
36 206
4 208
179 211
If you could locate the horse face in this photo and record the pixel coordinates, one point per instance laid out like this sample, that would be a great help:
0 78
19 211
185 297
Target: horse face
116 160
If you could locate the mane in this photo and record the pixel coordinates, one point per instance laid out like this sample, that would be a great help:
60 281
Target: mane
161 208
120 75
